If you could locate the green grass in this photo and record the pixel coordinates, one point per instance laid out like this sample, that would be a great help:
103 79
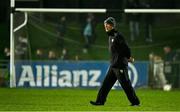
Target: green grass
78 100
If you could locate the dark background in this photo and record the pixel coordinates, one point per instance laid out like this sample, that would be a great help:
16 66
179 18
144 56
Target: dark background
109 4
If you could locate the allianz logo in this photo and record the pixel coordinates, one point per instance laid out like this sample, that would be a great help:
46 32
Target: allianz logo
51 76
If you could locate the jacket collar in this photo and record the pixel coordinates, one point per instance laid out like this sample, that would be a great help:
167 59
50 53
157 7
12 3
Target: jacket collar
111 32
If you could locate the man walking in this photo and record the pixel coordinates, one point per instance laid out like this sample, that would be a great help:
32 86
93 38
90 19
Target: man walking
120 56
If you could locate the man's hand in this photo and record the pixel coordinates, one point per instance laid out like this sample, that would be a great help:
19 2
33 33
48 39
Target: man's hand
131 59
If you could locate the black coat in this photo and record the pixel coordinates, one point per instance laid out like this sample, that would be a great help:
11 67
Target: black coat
120 51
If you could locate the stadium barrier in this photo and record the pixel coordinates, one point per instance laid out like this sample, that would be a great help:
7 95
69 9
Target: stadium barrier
83 74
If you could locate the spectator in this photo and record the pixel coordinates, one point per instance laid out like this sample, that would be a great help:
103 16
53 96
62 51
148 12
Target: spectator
21 49
64 55
4 64
87 34
61 31
52 55
148 19
158 71
7 53
4 74
168 66
169 54
133 19
93 21
39 54
76 58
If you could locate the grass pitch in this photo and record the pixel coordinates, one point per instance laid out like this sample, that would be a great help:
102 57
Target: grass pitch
78 100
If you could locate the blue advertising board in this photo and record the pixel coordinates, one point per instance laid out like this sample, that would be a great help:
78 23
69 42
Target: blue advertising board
59 74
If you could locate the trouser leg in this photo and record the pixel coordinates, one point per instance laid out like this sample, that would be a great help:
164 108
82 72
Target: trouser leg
123 78
106 86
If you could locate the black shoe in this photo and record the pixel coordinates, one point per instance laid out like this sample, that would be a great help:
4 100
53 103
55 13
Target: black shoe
96 103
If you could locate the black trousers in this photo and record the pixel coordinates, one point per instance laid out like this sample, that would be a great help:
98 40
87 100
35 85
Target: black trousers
112 76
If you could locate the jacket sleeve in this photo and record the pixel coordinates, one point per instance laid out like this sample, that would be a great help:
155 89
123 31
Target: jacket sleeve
128 51
124 48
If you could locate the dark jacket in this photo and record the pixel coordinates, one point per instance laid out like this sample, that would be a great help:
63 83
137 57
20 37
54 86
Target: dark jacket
120 52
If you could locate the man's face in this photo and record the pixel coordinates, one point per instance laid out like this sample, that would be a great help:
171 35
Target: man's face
167 50
108 27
